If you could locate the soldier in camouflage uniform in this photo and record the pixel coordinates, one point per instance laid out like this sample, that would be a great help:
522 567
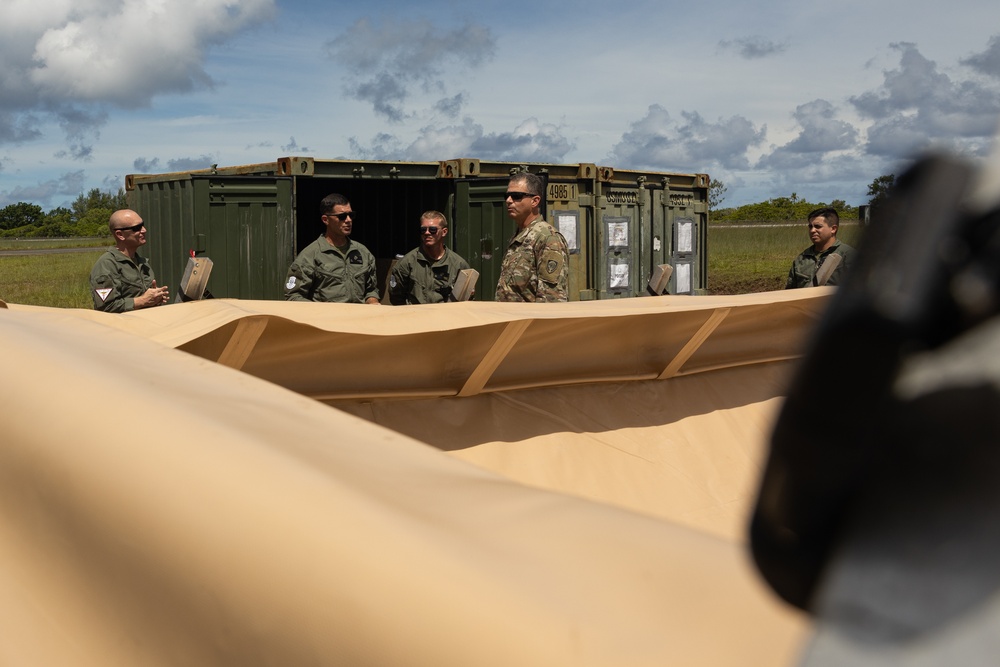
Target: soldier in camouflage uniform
536 266
805 271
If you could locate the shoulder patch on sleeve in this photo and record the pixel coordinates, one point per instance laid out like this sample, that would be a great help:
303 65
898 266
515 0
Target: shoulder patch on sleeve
290 284
551 265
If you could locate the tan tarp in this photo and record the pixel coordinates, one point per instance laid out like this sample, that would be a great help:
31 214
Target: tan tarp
158 507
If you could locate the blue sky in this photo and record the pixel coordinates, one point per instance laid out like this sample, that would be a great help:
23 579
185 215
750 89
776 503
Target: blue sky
772 98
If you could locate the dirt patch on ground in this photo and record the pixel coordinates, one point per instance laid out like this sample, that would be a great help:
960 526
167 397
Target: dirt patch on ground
745 285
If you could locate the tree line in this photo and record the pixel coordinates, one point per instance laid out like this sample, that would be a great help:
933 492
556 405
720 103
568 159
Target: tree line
87 216
792 208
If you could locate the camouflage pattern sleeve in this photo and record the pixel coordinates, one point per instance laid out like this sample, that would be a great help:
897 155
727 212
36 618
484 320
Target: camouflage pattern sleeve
553 268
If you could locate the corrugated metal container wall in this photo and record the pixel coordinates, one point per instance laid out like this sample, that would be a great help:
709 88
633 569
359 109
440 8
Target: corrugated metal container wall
167 206
240 217
245 225
252 220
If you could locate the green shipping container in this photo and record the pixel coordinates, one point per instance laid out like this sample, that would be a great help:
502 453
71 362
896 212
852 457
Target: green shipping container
252 220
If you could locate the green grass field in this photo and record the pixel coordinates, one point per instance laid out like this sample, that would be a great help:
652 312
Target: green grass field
57 280
750 258
756 258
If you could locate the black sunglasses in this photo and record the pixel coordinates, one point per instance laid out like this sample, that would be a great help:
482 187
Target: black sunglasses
429 230
518 196
341 216
133 228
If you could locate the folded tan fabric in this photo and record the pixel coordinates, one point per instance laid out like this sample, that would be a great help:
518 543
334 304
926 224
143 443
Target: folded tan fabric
541 485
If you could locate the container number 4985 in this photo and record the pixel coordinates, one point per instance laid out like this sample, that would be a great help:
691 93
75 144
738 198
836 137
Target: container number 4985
562 190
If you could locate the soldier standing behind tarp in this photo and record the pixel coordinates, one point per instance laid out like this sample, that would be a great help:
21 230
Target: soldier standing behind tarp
428 272
827 260
122 280
536 266
333 267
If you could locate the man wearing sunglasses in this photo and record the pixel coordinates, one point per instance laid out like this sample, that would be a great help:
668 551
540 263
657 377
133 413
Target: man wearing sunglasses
122 280
536 266
427 273
333 268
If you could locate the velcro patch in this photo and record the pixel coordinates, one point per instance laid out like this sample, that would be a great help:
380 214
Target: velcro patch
103 293
551 265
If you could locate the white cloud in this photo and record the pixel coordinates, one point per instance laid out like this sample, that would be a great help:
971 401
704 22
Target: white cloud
68 185
918 105
821 132
71 60
530 141
451 141
658 141
125 53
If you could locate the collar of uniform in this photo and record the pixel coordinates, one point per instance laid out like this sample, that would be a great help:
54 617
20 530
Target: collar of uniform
122 257
524 230
329 247
823 253
422 256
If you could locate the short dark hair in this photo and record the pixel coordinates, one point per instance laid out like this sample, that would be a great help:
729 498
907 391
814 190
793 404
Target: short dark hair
828 213
331 200
533 183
